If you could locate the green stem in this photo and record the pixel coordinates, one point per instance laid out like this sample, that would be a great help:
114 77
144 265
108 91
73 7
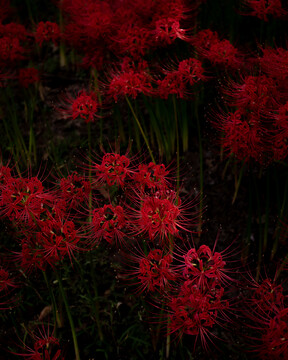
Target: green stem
54 305
64 297
238 181
177 145
141 129
201 172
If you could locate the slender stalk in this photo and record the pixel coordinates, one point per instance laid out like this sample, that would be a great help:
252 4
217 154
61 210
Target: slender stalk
201 172
177 145
69 315
141 129
238 181
54 304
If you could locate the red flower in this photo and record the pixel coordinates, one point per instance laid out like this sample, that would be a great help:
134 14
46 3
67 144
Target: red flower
263 8
47 31
108 223
151 176
23 199
195 310
10 50
75 189
28 76
113 169
45 346
155 271
160 215
131 80
168 30
85 106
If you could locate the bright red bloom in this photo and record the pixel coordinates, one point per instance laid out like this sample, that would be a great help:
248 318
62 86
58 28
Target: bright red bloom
263 8
23 199
85 106
172 84
151 176
108 223
47 31
195 310
191 71
113 169
155 271
57 238
168 30
274 62
28 76
6 282
131 81
160 215
202 265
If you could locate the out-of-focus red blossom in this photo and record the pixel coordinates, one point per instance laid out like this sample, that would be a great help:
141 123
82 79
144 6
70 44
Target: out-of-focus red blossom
263 8
75 189
85 106
28 76
5 9
131 80
23 199
194 310
274 62
6 282
256 93
242 135
108 223
113 169
10 50
151 176
280 134
45 346
155 271
13 30
218 52
47 31
189 72
168 30
267 296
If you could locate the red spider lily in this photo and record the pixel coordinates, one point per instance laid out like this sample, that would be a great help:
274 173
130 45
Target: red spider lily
151 176
23 199
274 62
160 215
6 282
168 30
108 223
190 71
218 52
85 106
45 346
133 40
152 272
56 239
256 93
268 296
130 81
113 169
28 76
195 310
75 189
172 84
263 8
47 31
10 50
242 135
13 30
